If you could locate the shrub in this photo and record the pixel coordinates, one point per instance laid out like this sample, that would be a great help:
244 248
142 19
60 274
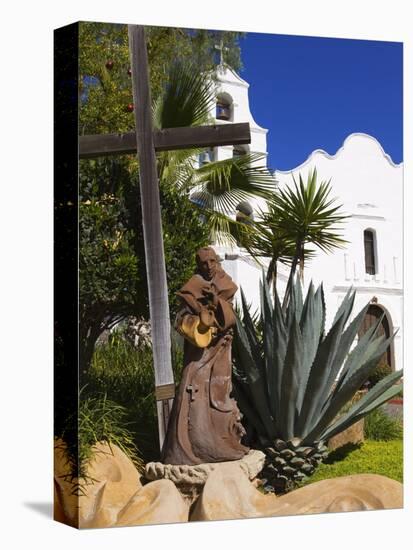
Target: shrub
381 427
381 371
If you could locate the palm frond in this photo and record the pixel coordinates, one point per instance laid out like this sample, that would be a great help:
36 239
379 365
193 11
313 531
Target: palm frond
223 229
187 99
225 183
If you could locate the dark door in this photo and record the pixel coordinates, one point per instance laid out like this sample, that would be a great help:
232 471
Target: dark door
373 314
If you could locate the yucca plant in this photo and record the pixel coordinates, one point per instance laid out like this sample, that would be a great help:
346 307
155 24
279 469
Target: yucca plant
292 382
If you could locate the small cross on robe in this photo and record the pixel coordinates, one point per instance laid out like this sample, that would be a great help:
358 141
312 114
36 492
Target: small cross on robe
192 390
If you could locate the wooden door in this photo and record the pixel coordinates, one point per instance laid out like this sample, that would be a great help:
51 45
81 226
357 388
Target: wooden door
374 313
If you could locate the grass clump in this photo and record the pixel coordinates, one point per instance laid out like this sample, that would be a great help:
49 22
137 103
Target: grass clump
101 419
370 457
381 427
125 374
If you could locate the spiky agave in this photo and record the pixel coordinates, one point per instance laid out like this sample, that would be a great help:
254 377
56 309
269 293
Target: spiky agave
292 381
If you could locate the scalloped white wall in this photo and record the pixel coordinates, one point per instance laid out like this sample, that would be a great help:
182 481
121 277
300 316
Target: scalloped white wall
370 187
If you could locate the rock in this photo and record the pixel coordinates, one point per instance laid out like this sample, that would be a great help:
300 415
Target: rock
191 479
228 494
343 494
112 479
65 499
353 434
157 502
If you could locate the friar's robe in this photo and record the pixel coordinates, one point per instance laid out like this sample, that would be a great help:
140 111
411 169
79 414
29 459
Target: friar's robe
205 425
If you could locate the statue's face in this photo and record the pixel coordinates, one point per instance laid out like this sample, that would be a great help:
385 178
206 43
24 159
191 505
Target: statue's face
207 264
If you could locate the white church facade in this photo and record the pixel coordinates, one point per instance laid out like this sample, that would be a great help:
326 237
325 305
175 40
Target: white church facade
369 186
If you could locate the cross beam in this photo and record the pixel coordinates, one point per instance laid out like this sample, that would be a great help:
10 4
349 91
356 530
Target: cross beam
167 139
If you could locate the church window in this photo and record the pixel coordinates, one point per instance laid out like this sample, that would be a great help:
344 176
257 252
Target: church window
370 252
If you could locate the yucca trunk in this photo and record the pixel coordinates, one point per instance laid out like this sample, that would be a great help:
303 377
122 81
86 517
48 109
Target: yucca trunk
301 265
297 255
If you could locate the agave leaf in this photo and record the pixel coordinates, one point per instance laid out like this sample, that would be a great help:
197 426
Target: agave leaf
352 417
347 391
376 391
311 327
250 328
276 367
268 337
346 306
250 412
380 400
310 295
357 356
290 379
346 341
239 375
315 395
319 295
371 396
266 303
292 306
255 380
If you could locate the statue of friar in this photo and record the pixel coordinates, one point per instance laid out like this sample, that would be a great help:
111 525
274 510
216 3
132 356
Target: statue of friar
205 422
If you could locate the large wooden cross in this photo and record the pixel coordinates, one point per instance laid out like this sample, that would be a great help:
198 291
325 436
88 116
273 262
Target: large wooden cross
145 141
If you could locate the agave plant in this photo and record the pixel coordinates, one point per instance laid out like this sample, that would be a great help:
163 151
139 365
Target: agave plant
292 382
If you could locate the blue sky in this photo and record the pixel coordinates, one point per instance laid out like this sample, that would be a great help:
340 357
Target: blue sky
311 93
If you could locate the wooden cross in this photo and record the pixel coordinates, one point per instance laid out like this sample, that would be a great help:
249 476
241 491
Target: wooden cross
145 141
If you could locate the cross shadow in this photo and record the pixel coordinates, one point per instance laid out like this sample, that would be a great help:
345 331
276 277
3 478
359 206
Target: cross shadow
42 508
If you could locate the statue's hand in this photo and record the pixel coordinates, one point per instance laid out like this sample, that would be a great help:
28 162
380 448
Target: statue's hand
210 295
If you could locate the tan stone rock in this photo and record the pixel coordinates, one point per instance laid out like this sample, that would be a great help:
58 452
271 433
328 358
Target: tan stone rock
228 494
65 499
112 480
353 434
344 494
157 502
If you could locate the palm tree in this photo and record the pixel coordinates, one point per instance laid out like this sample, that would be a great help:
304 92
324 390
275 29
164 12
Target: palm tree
269 241
297 216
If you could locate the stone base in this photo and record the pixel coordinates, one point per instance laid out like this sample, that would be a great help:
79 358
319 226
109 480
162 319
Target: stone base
190 480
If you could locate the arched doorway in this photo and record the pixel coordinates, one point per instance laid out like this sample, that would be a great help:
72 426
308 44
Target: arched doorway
374 313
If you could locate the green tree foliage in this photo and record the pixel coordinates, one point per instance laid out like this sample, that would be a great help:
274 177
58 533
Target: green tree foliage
109 267
112 260
105 82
